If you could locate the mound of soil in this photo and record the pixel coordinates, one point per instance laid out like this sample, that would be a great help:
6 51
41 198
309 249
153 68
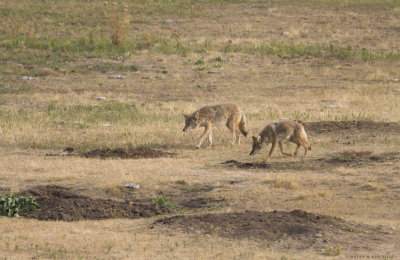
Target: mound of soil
371 127
140 152
303 229
58 203
348 158
247 165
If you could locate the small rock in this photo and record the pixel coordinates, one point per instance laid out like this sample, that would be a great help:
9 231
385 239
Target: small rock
318 235
213 72
100 98
116 76
132 185
396 89
206 85
75 122
337 106
170 21
285 33
27 78
392 227
106 125
395 80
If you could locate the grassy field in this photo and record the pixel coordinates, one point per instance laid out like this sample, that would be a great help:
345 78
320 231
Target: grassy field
312 61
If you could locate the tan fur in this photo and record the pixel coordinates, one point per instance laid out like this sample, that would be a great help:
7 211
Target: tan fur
277 133
224 114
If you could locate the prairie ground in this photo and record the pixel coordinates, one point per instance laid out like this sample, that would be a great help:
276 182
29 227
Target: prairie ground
333 65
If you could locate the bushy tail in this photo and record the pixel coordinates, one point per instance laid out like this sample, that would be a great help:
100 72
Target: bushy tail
243 125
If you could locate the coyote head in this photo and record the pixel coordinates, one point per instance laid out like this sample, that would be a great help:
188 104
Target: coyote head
256 145
191 121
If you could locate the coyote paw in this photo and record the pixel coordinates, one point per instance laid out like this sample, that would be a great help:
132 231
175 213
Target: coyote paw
197 146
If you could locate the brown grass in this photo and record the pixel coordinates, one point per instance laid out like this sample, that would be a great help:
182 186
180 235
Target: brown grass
41 118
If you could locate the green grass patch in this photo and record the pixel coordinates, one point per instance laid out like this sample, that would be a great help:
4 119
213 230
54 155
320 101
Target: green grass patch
15 87
13 205
165 202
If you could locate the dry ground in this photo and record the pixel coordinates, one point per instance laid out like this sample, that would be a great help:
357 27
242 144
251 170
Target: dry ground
352 173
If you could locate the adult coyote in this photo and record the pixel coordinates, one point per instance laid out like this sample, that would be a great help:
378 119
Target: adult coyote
278 132
224 114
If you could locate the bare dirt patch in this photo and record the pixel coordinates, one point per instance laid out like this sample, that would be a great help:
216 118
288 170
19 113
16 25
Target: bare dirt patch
59 203
301 228
348 158
372 127
125 153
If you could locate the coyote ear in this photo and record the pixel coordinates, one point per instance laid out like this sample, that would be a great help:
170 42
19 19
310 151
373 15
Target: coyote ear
196 115
254 138
258 138
185 115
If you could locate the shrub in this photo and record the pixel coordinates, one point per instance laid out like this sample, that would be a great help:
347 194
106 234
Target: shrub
13 205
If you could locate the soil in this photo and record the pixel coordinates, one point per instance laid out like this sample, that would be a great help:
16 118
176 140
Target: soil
301 228
347 158
59 203
371 127
136 153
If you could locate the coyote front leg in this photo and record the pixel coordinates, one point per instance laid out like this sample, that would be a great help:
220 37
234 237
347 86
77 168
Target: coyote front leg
207 130
210 139
273 148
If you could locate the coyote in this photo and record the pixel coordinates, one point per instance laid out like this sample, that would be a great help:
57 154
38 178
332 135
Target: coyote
224 114
278 132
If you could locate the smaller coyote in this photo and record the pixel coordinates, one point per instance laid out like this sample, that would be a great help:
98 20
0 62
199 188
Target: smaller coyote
278 132
224 114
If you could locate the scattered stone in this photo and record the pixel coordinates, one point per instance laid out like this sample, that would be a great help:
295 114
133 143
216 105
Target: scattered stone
285 33
395 80
100 98
213 72
106 125
116 76
396 89
75 122
27 78
132 185
207 85
337 106
170 21
242 64
318 235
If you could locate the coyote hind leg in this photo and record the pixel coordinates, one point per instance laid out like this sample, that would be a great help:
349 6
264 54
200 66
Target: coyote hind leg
282 151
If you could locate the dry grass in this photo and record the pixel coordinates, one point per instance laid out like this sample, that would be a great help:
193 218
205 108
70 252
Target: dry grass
58 108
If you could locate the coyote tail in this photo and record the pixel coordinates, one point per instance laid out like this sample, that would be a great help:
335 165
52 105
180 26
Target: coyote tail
243 125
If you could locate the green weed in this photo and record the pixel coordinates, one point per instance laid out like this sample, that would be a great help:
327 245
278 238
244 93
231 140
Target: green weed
13 205
164 202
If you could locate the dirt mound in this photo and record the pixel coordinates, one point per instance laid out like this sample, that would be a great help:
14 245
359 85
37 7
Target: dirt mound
303 229
247 165
371 127
58 203
201 203
347 158
125 153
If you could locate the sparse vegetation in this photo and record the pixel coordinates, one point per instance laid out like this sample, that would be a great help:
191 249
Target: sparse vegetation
319 62
163 201
13 205
333 251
